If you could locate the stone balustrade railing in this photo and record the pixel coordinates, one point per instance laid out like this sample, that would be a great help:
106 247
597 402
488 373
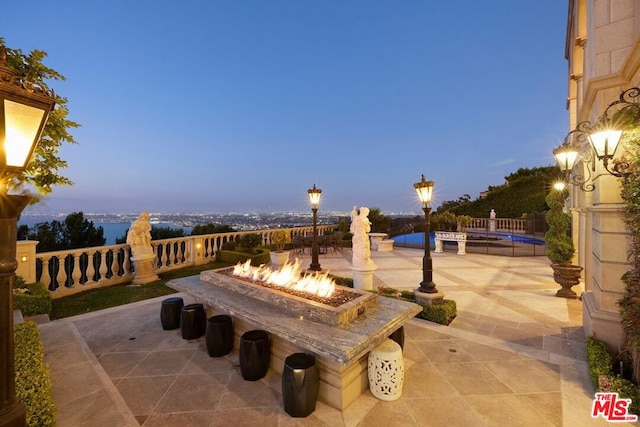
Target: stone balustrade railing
73 271
77 270
509 225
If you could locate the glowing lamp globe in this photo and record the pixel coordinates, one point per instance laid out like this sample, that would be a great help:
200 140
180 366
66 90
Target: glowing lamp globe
424 189
314 196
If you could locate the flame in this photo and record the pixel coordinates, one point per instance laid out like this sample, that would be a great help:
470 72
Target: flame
289 276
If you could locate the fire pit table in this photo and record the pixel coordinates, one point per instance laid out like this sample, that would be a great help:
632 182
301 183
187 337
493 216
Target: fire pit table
340 347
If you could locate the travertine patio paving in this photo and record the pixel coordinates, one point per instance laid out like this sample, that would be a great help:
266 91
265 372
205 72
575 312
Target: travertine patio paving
513 356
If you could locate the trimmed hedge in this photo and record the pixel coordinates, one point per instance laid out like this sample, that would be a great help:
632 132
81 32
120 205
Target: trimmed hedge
33 383
35 300
601 373
260 257
441 313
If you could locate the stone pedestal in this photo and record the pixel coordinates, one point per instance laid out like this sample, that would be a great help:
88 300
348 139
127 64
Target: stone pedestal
143 265
376 238
363 277
424 298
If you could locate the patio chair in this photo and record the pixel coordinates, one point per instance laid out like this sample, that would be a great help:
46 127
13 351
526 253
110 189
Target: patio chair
329 243
298 245
337 241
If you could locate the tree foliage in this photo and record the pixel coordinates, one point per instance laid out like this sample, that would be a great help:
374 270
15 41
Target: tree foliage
560 247
379 223
201 229
43 171
523 193
74 232
157 233
630 302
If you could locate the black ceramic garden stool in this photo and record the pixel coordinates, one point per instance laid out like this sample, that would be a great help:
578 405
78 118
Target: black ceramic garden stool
255 354
170 313
300 384
219 335
398 336
193 321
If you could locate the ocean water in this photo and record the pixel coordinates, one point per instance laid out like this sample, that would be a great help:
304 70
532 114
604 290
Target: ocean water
112 230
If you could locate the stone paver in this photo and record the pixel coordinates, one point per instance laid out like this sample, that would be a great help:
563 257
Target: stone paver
513 356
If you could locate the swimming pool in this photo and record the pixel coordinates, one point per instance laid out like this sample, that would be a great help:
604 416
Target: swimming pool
418 238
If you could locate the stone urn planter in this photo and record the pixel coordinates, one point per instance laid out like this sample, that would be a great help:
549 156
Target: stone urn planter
566 276
560 249
280 238
278 259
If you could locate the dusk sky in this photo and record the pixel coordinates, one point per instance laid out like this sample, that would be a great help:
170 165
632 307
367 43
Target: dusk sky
214 106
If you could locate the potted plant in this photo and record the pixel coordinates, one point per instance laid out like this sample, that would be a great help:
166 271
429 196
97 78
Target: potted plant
463 222
280 238
560 247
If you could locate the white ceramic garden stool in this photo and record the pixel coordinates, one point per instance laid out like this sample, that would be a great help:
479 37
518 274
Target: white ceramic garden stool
386 371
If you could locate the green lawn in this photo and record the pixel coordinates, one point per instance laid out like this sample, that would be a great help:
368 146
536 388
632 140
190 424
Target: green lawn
99 299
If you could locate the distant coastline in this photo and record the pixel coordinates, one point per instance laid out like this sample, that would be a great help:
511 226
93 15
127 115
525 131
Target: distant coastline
112 230
116 224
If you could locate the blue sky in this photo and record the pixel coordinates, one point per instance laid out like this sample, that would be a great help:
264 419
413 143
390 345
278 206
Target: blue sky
206 106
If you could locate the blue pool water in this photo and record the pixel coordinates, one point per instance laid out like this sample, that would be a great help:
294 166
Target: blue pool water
414 239
418 238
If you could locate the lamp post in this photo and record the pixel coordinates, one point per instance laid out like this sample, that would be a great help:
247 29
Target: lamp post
24 109
425 190
314 199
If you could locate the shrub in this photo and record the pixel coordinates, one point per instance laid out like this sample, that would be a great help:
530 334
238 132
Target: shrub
464 221
33 383
231 245
408 295
560 247
250 241
280 238
445 221
32 299
387 291
342 281
601 372
440 313
261 256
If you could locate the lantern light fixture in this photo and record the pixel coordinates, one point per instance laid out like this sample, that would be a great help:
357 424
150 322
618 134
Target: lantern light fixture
314 199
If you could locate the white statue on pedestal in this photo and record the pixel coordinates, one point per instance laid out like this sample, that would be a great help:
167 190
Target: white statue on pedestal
139 239
139 236
360 226
492 220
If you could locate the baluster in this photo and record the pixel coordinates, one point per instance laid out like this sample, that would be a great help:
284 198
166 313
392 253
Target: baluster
126 262
180 253
45 277
115 264
165 255
91 268
62 274
174 252
76 268
104 269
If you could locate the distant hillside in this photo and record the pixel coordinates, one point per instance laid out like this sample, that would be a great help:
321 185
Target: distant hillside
523 193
